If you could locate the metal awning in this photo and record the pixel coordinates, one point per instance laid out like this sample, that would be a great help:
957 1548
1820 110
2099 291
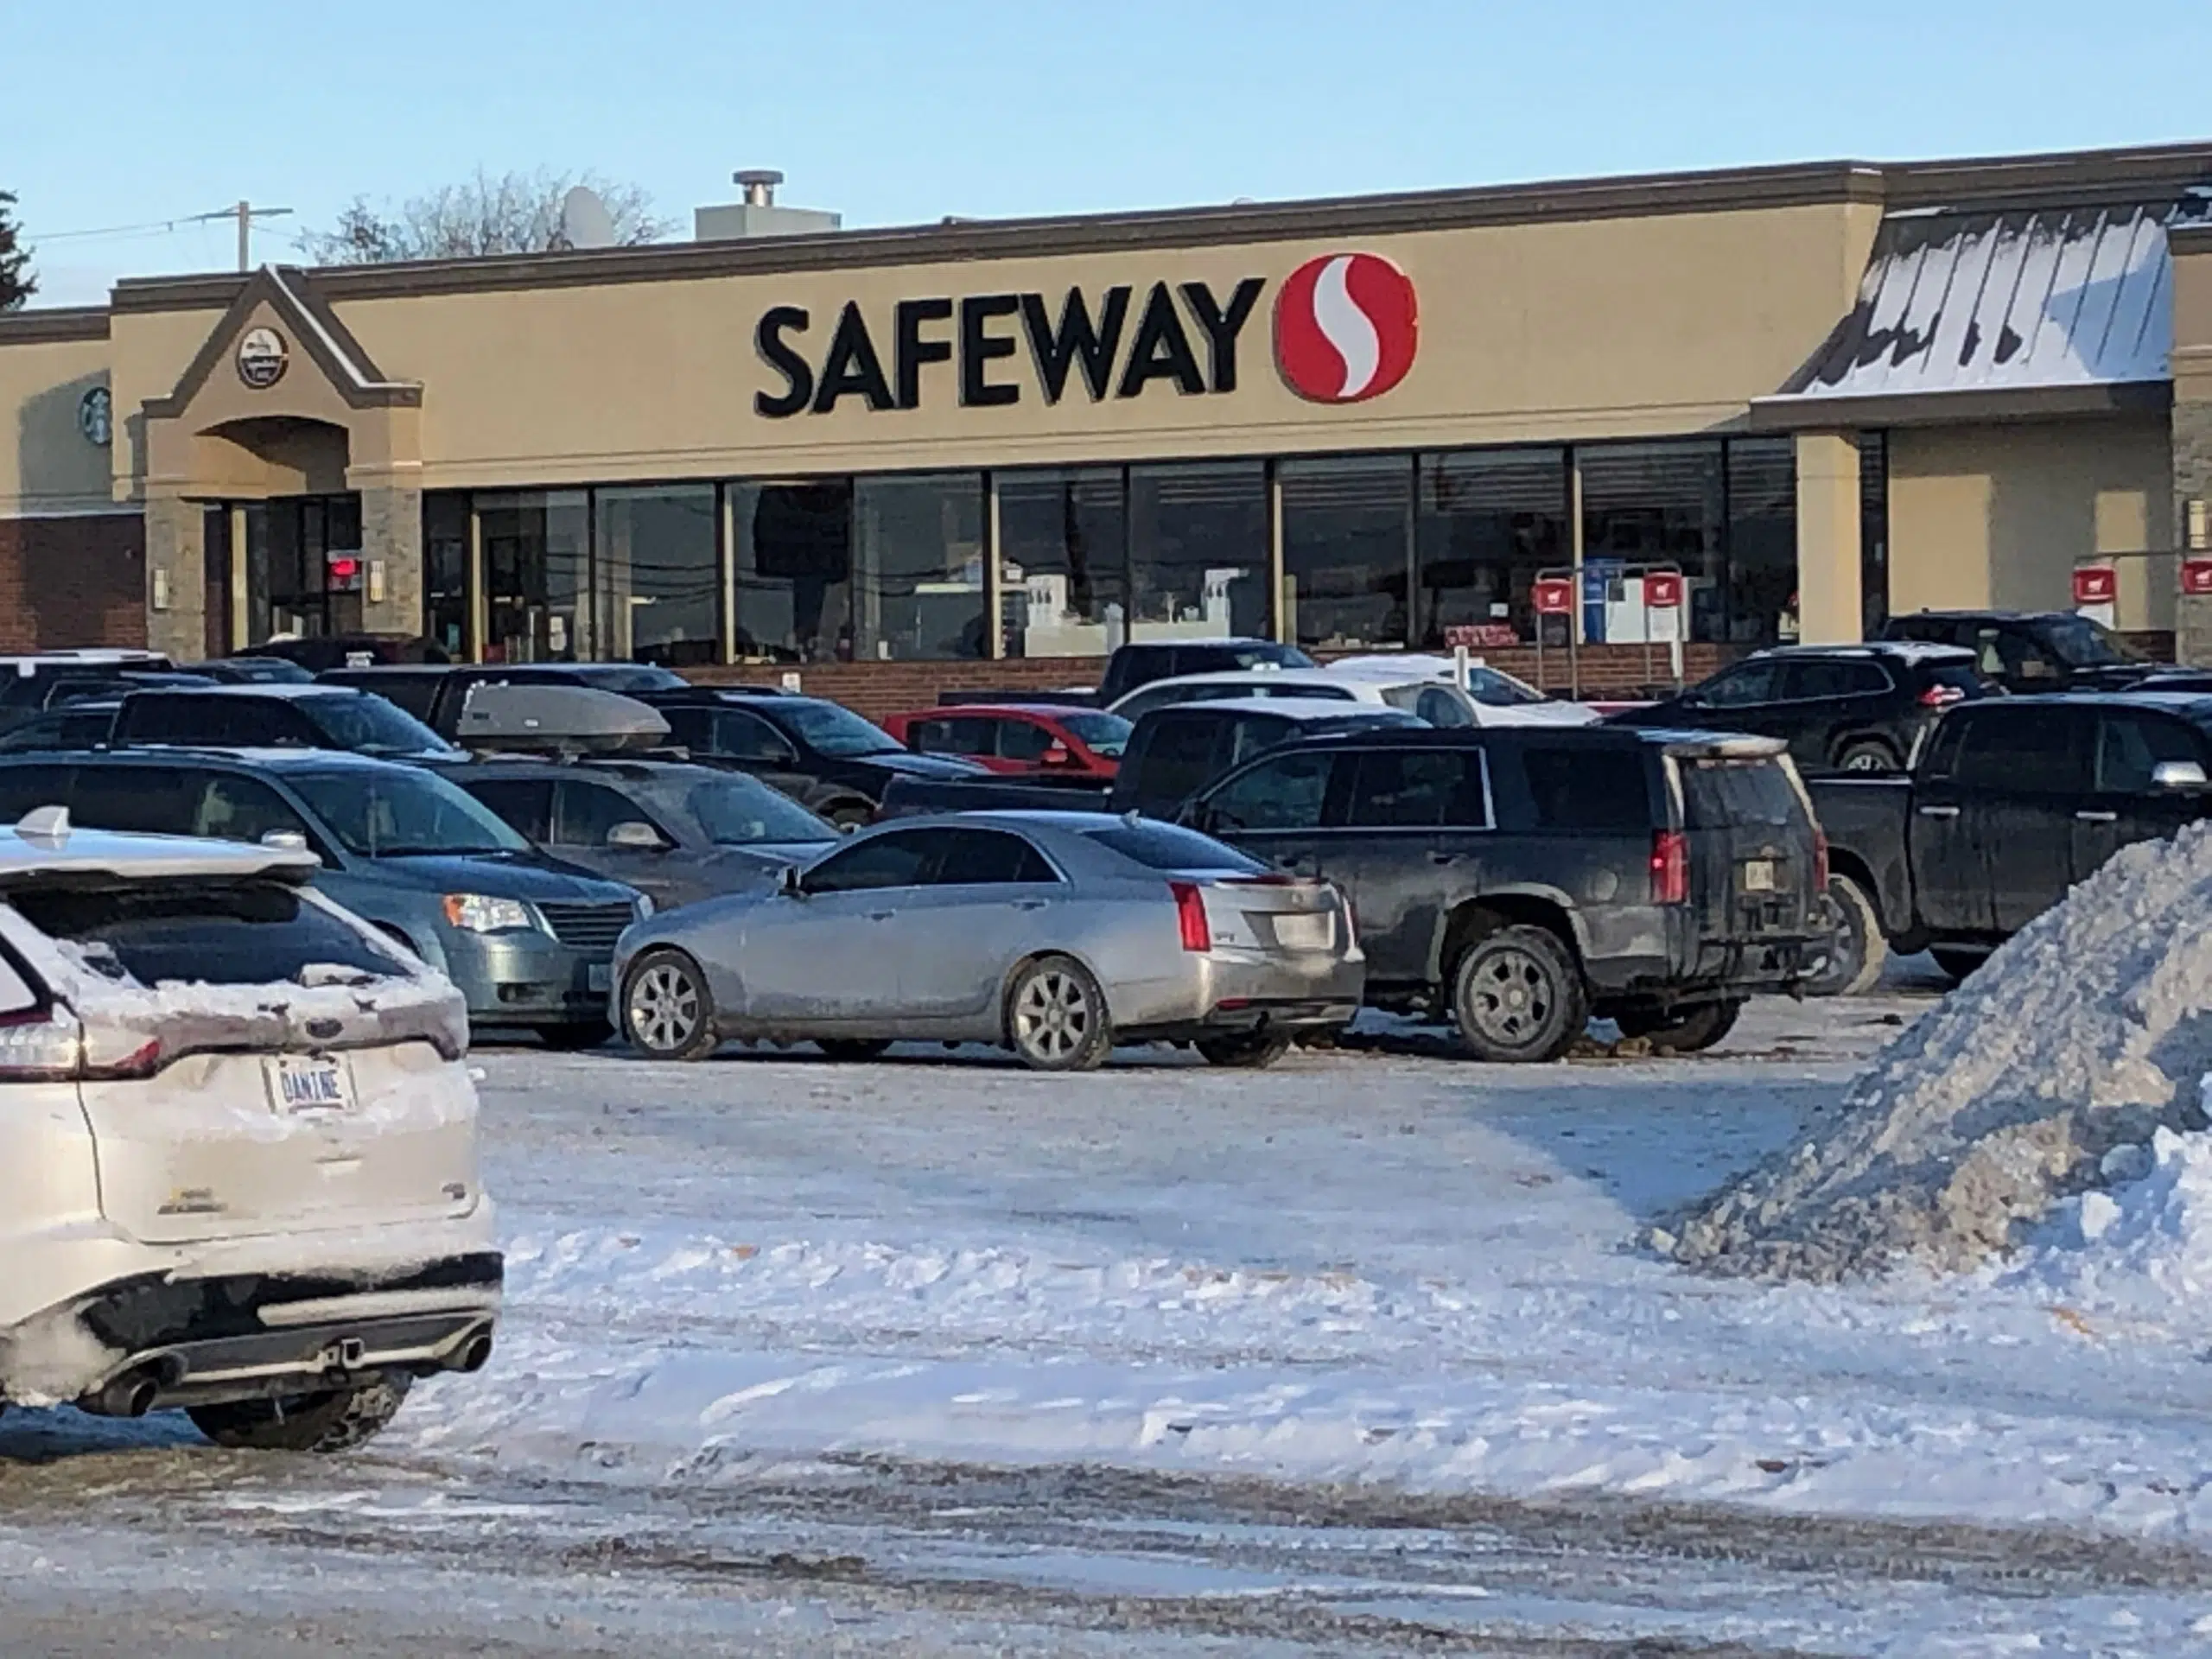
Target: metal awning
1972 314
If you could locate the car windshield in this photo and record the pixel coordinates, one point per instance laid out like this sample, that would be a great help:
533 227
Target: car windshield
368 725
832 728
1101 733
737 812
2078 643
249 932
380 813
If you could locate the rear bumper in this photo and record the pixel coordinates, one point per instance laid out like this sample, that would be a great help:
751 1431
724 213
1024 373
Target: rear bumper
1239 990
1732 969
187 1342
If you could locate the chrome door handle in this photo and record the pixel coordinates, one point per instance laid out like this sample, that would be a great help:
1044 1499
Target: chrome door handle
1443 858
881 915
2087 816
1939 812
1030 904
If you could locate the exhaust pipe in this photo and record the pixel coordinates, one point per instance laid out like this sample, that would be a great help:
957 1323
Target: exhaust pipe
475 1354
131 1394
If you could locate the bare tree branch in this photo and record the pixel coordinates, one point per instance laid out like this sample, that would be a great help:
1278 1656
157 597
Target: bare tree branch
514 213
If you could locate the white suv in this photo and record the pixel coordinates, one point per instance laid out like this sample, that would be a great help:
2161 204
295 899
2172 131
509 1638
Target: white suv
238 1144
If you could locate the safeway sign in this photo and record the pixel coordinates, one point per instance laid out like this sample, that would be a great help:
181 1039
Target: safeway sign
2095 584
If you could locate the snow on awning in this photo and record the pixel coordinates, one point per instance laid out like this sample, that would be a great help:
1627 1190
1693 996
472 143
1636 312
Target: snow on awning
2038 303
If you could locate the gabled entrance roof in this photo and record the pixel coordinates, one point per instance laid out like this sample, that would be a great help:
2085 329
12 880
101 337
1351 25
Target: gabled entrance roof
288 292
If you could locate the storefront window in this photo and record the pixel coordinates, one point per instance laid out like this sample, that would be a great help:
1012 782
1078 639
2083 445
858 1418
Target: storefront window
1064 557
919 563
794 559
1490 521
445 570
659 589
294 589
1762 602
537 589
1646 504
1347 551
1198 550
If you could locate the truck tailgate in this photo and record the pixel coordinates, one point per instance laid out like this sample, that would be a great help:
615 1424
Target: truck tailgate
1753 849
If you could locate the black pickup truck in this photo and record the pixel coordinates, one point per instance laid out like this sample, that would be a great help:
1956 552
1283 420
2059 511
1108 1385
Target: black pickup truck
1172 753
1518 879
2010 803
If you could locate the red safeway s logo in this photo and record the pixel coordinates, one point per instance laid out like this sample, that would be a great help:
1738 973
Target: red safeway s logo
2095 584
1346 328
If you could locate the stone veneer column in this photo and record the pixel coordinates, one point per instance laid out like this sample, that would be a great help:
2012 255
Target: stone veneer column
391 531
176 573
1829 608
2192 429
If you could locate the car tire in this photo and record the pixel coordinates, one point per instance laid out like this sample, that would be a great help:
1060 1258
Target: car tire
1868 754
852 1050
668 1013
1682 1030
1517 996
1055 1016
1247 1050
335 1421
1959 964
574 1035
1858 952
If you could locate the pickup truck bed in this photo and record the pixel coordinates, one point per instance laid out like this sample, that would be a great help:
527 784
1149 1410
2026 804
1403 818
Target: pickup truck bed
1868 820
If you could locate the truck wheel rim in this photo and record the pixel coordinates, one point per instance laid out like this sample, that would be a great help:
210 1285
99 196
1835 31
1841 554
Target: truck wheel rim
664 1006
1510 997
1052 1016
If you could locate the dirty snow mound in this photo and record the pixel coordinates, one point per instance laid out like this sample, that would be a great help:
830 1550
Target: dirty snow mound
2086 1032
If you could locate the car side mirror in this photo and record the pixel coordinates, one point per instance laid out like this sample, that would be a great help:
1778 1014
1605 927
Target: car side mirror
1057 754
292 840
2178 774
791 881
634 836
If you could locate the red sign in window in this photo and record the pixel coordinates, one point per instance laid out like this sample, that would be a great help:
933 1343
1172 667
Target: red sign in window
1663 591
2095 584
2197 577
1554 596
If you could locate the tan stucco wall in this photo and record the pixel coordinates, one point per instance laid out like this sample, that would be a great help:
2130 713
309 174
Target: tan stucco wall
47 465
1618 328
1999 515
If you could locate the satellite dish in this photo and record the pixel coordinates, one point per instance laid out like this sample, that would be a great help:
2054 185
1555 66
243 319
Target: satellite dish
585 222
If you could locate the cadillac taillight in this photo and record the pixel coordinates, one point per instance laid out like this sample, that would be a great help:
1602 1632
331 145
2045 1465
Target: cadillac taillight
1670 868
1191 915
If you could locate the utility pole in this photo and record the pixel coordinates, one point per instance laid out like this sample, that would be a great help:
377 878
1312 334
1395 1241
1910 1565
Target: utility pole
245 212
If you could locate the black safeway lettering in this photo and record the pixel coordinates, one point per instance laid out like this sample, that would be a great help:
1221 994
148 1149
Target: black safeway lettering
910 350
799 377
1162 350
1223 327
979 350
1056 349
852 366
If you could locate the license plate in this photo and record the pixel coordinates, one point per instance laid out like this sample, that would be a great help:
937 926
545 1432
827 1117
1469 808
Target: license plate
600 976
1304 933
305 1084
1760 875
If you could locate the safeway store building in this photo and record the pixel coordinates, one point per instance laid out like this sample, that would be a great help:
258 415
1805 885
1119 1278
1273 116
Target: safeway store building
988 451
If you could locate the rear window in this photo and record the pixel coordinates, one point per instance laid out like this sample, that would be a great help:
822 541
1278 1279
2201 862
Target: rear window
1588 789
1720 793
1956 677
214 933
1169 847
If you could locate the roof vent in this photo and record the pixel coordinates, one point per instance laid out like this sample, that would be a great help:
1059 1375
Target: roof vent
755 213
759 184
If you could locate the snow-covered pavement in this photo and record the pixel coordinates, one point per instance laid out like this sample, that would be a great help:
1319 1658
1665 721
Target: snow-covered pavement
1371 1301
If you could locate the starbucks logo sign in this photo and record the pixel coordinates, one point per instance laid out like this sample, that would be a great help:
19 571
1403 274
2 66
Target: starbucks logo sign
262 357
96 416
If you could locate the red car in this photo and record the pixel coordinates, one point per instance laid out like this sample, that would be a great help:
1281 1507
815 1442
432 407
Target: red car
1015 737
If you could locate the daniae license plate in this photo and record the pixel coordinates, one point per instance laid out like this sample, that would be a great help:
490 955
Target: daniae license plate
299 1083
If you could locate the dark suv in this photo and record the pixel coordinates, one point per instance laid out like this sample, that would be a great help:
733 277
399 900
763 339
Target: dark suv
820 754
1840 707
1145 661
1520 879
2031 651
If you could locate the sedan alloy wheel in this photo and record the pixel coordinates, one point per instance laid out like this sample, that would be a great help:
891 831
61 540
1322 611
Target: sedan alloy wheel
1056 1016
665 1009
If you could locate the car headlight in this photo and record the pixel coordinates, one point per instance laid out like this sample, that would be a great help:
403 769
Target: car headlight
477 913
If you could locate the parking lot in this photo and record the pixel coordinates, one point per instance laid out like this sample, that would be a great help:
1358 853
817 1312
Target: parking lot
1358 1355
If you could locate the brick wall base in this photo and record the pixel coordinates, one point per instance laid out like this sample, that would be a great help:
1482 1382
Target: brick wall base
878 689
73 581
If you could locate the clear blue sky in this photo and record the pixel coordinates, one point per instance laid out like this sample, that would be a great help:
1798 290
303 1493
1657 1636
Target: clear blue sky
143 110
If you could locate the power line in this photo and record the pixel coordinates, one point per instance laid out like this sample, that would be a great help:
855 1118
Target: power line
244 214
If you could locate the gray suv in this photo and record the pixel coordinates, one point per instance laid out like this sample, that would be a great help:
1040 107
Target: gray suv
528 939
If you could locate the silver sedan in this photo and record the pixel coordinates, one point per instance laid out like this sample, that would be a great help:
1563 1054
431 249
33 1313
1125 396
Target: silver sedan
1058 934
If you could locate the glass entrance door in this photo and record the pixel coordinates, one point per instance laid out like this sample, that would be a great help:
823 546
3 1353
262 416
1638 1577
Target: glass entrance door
303 567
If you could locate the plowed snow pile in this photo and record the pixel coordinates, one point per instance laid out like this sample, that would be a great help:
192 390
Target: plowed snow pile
2036 1079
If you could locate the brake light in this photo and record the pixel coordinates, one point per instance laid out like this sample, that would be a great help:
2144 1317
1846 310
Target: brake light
1941 697
1670 868
51 1046
1191 915
1820 862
